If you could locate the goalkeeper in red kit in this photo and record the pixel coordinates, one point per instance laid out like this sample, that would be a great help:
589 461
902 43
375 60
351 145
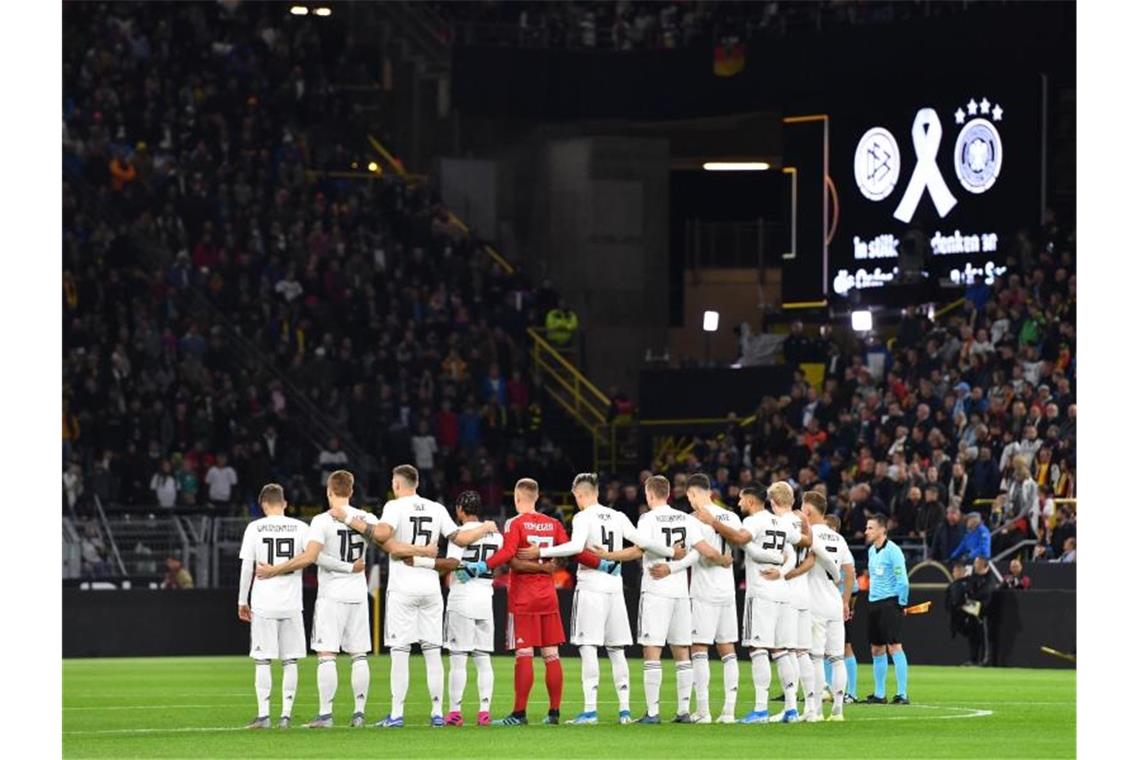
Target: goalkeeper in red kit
534 620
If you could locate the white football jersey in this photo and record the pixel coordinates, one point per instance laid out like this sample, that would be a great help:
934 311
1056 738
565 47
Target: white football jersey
792 523
341 543
669 525
473 598
275 540
422 522
826 598
603 527
768 539
712 583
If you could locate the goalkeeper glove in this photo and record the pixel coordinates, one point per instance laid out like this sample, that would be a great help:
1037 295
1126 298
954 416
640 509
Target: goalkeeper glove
471 570
609 566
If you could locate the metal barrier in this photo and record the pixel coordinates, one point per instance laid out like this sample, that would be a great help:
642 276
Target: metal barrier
225 543
72 551
142 545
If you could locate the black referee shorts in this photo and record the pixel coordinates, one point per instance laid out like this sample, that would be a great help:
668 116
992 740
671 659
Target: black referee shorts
884 622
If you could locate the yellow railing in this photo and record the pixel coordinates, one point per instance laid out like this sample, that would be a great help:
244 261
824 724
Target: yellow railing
399 168
548 357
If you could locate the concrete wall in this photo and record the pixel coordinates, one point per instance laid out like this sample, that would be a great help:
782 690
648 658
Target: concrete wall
599 210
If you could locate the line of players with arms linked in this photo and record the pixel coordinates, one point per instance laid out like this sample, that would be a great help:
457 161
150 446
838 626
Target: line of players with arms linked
799 577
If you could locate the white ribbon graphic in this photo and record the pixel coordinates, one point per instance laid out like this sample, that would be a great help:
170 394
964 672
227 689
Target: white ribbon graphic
927 135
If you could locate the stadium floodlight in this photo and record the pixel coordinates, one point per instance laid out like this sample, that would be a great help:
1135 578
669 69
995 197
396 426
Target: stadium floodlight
323 11
861 321
711 321
736 166
373 167
299 10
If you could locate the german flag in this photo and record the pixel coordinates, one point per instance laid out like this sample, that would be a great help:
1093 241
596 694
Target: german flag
728 57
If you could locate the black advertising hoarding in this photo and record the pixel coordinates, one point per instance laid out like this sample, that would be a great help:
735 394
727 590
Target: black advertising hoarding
959 165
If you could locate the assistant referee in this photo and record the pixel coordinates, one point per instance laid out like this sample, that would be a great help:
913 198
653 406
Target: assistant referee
887 595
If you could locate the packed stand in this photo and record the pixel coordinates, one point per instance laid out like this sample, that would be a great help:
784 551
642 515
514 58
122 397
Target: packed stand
626 25
963 432
359 293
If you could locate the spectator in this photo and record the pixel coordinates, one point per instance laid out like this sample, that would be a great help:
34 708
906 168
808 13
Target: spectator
906 514
1020 508
164 486
561 325
424 449
188 483
930 516
93 553
330 459
1068 550
72 485
948 536
976 542
1016 579
220 481
177 577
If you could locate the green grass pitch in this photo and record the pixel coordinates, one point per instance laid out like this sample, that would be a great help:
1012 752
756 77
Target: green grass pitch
195 706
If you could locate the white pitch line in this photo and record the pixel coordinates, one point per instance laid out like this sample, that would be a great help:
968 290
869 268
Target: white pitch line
968 712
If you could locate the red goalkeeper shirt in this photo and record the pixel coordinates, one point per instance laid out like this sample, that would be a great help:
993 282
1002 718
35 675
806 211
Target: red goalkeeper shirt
533 593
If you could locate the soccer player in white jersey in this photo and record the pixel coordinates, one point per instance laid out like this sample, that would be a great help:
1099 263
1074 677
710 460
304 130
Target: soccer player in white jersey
414 602
599 616
713 592
782 498
469 621
277 629
340 616
768 558
664 612
832 560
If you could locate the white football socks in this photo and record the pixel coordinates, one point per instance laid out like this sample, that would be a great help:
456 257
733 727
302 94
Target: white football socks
263 685
838 685
731 676
789 677
684 686
761 678
651 677
326 684
288 687
456 681
434 661
590 674
361 677
399 678
807 678
485 680
701 681
621 675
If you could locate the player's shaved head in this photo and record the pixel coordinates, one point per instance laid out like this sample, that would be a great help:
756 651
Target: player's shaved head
340 483
781 494
410 475
586 480
272 494
658 486
527 488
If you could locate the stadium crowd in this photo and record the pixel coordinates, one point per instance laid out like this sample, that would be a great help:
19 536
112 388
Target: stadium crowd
367 300
627 25
361 293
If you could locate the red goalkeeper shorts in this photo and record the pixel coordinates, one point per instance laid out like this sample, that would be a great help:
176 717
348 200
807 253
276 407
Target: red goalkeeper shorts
534 630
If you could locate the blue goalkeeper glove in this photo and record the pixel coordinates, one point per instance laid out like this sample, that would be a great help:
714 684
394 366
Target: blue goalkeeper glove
471 570
609 566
